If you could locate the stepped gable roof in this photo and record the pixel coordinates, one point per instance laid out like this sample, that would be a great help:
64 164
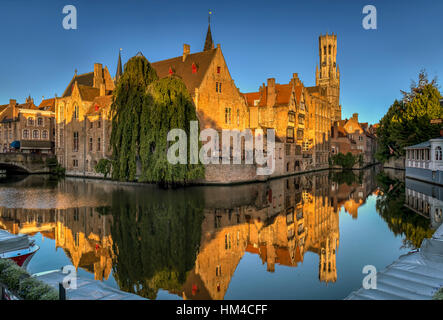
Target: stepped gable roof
85 79
191 71
99 104
47 105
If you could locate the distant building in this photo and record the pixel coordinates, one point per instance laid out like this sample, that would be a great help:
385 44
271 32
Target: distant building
354 137
424 161
27 128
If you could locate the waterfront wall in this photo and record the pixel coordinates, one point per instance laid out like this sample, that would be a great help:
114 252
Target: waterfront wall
426 175
395 163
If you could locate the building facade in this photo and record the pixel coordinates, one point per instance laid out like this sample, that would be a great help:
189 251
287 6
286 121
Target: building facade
27 128
83 125
352 136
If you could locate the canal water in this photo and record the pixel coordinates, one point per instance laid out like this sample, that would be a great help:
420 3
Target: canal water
303 237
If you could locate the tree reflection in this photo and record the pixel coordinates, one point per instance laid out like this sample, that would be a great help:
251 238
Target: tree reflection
156 238
400 220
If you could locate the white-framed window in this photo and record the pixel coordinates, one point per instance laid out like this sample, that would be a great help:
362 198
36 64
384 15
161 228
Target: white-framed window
35 134
40 121
30 121
45 134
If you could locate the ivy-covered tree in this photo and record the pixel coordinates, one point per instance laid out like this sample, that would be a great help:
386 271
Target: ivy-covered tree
129 98
408 121
168 105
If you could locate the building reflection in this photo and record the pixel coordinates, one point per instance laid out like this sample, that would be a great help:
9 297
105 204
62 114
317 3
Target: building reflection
190 242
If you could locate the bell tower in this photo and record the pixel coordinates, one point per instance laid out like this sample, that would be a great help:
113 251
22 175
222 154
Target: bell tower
328 75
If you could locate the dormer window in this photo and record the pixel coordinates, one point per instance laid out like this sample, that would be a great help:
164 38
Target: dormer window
171 72
218 69
194 68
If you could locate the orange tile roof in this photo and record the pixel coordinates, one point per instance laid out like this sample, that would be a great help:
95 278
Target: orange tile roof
47 105
99 104
251 97
191 71
283 92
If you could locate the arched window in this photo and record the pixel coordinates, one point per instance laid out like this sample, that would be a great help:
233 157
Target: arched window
40 121
25 134
35 134
45 134
76 112
30 121
438 154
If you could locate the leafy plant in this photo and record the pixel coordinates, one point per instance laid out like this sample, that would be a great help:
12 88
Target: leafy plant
104 167
21 283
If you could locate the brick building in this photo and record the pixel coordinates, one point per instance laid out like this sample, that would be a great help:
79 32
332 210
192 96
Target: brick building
83 122
26 127
349 135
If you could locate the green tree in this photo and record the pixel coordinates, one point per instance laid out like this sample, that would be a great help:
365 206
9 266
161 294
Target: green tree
129 97
168 105
408 121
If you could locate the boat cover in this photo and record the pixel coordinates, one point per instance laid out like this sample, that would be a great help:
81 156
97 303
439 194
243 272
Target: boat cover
416 275
11 242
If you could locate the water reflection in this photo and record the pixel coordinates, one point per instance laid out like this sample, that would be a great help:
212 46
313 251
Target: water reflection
191 241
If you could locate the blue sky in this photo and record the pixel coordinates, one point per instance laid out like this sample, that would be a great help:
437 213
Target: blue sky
259 39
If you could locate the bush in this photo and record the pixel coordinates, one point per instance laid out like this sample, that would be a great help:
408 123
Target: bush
22 284
104 167
345 161
439 295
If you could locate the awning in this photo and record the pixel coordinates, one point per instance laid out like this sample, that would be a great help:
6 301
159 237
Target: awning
15 144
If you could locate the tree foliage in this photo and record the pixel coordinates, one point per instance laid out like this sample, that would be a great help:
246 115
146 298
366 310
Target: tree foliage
168 105
408 121
400 220
145 109
129 98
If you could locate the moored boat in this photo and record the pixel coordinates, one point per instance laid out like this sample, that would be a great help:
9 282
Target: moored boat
18 248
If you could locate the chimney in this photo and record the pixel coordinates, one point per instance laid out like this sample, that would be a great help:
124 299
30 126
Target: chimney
13 104
98 75
355 117
102 90
271 92
186 51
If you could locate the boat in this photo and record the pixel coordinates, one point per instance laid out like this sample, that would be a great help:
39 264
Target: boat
17 247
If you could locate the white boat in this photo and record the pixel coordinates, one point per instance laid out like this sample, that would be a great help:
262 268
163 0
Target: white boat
19 248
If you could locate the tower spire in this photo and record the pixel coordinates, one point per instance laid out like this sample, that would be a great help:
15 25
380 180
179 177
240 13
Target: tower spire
209 44
119 71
